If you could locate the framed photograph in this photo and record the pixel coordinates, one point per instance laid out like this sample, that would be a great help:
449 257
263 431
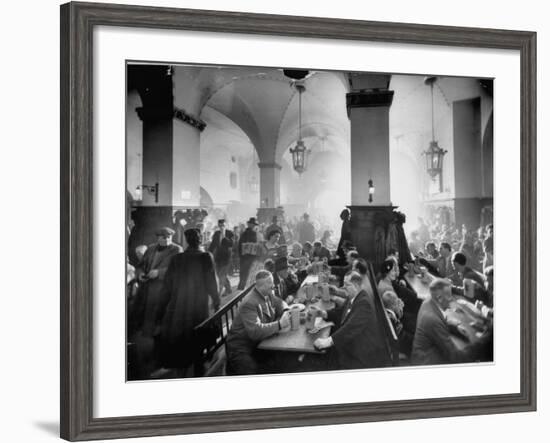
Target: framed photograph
273 221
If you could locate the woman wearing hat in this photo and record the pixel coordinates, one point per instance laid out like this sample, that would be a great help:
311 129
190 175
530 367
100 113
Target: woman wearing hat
268 249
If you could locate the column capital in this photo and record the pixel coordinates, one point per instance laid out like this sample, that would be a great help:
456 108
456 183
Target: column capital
373 98
168 112
267 165
183 116
155 113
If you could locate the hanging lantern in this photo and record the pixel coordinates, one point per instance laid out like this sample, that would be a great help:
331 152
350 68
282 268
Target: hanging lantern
434 154
300 152
434 159
299 157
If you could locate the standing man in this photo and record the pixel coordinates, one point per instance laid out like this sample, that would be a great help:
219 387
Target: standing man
189 283
222 259
246 255
217 237
306 230
260 315
359 339
345 233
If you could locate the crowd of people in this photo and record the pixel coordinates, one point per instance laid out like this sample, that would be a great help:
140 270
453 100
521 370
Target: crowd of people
378 320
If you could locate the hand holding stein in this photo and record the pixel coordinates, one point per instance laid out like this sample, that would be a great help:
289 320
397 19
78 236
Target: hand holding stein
284 321
323 343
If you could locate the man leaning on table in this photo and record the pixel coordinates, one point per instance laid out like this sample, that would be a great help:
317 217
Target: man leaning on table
358 339
260 315
432 340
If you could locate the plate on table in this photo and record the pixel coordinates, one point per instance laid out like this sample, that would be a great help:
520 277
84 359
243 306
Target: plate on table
299 306
320 325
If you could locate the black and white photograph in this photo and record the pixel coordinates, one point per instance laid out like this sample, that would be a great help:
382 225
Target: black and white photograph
291 220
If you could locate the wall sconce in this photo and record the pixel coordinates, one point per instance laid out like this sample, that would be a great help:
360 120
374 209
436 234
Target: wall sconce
371 190
153 190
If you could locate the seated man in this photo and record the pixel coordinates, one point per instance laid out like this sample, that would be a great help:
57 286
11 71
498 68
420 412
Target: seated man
432 341
320 252
394 308
358 339
260 315
286 282
459 262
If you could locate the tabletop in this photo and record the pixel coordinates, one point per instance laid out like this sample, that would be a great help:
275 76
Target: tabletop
294 341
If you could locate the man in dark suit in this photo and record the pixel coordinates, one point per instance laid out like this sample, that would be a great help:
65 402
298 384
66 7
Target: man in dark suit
358 340
188 284
250 235
432 341
217 237
260 315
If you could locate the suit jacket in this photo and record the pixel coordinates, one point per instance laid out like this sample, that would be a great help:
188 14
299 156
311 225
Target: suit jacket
359 340
432 342
149 295
216 242
257 319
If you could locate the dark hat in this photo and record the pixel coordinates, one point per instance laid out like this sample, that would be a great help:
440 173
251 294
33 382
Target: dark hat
252 221
164 232
281 263
387 266
221 220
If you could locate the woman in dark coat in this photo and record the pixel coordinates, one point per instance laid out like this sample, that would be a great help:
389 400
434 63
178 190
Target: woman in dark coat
189 281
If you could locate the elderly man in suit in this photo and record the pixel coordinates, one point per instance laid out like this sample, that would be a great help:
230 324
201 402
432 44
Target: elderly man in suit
150 276
359 339
432 341
260 315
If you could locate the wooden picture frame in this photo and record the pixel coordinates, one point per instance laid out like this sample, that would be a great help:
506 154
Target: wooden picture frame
77 23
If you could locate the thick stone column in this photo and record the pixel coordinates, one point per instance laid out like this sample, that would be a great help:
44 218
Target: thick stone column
171 153
186 161
373 224
370 145
270 191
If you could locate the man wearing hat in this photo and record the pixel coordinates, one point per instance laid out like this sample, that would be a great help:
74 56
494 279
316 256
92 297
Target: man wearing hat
150 276
246 258
217 237
286 283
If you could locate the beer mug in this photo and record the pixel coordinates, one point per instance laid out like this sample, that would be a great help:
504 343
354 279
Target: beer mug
469 286
311 315
325 294
294 318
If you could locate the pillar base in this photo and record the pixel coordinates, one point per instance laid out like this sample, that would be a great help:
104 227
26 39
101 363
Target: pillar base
371 233
147 219
265 215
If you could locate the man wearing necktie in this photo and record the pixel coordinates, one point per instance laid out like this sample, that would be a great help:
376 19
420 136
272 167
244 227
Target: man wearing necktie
358 340
260 315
